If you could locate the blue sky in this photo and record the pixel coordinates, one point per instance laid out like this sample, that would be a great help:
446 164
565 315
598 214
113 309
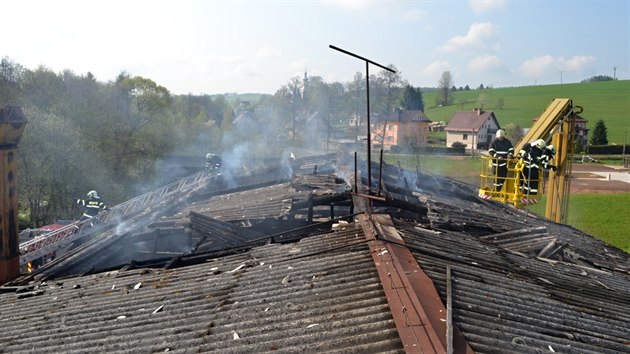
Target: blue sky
209 47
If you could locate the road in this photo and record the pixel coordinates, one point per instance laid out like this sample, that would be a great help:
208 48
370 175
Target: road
598 178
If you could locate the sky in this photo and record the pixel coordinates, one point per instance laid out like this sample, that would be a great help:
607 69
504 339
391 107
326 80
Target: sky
214 47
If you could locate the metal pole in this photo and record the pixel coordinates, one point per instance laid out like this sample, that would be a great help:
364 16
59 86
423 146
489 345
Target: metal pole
367 80
623 159
369 137
449 311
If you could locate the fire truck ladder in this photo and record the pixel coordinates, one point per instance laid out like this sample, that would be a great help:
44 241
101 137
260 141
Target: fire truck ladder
63 237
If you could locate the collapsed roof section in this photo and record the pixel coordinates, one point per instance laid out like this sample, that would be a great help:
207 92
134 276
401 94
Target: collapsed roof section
264 205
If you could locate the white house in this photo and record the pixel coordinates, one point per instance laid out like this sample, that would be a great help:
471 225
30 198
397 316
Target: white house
475 128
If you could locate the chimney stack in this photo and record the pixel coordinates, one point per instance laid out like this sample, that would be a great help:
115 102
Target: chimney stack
12 124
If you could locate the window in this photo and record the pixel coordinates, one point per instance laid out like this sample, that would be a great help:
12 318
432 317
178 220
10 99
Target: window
465 137
391 127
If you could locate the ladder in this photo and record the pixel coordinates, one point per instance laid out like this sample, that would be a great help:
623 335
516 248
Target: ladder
63 237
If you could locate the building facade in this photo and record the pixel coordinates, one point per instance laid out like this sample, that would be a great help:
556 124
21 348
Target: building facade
475 129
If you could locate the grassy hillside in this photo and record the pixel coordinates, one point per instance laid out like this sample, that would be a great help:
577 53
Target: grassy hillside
607 100
590 213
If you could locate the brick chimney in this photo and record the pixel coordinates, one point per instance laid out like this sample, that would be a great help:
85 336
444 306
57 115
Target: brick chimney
12 124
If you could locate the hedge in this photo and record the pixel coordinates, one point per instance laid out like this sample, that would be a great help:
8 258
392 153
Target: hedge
441 150
606 149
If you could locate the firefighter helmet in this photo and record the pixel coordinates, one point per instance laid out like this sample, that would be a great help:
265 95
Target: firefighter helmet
92 194
500 133
552 149
540 143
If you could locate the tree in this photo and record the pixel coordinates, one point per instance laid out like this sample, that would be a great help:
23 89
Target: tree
482 100
52 161
412 98
598 78
10 73
600 134
500 103
514 132
289 100
140 129
444 96
388 84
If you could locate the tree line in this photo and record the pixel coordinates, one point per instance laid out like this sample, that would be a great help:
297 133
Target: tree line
84 134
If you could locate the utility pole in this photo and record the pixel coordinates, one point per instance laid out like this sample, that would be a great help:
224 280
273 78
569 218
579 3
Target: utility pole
615 72
623 159
367 83
560 77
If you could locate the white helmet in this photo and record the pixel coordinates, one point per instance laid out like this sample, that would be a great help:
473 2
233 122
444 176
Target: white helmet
500 133
208 155
551 149
92 194
539 143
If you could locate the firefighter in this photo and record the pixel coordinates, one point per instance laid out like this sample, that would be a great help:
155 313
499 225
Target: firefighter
93 205
548 155
532 155
501 150
213 163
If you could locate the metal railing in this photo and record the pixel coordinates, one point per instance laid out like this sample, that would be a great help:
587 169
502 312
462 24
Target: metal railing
60 238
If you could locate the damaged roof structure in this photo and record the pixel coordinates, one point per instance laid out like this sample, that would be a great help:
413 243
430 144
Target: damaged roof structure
296 260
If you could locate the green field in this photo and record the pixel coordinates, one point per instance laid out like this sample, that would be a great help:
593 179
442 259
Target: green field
606 100
601 215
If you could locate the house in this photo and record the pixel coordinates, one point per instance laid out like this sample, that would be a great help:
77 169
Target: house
408 128
474 128
581 132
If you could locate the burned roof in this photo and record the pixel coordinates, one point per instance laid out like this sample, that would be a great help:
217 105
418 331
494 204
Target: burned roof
319 294
302 279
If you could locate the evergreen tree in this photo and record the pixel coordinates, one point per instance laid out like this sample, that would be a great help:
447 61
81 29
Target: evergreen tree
412 99
600 135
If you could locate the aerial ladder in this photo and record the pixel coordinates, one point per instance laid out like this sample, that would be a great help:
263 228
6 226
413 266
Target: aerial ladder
556 126
62 238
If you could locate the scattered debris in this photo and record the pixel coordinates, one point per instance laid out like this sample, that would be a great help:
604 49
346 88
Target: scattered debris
319 275
214 270
137 286
286 280
237 268
158 309
235 335
23 295
341 225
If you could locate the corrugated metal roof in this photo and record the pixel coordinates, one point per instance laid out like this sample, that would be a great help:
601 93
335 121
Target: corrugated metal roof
507 302
320 294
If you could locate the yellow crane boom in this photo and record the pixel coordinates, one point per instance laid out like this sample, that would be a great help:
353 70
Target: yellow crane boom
556 125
